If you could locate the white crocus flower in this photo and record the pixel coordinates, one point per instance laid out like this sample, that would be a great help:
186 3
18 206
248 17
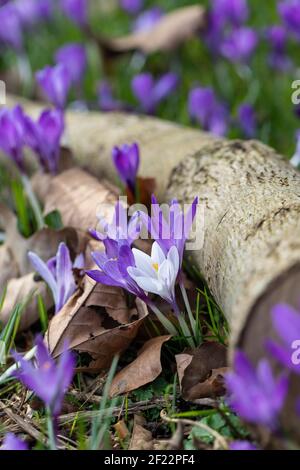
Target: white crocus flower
156 273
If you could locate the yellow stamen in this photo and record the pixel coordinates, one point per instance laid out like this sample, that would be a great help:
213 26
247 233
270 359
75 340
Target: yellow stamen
155 266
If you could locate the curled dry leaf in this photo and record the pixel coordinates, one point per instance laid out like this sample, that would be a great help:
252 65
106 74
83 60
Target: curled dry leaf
79 197
97 322
201 371
144 369
8 265
17 291
141 438
167 34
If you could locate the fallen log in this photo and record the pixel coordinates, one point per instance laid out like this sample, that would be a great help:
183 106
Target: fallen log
251 252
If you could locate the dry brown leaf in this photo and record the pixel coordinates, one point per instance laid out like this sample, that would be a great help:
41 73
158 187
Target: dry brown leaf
141 438
144 369
8 265
201 371
95 322
121 429
17 291
167 34
79 197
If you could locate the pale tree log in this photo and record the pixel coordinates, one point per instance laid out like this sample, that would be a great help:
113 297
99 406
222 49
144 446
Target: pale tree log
251 252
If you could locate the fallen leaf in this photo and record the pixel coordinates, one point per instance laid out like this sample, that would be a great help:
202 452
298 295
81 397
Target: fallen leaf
147 187
79 198
95 322
17 291
8 265
144 369
201 371
167 34
141 438
121 429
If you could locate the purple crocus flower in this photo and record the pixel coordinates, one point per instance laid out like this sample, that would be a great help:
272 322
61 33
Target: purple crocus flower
150 93
286 322
58 274
208 111
234 12
240 44
11 442
255 395
73 57
148 19
55 83
44 137
289 11
132 6
242 445
12 134
76 10
106 100
127 160
247 120
33 11
277 37
49 381
11 32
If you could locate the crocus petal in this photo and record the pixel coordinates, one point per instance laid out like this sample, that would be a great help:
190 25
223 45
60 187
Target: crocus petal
44 272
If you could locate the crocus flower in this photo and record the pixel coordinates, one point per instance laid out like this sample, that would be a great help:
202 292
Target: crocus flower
208 111
172 229
146 20
286 322
76 10
11 32
73 56
127 160
255 395
106 100
132 6
55 83
240 44
289 11
150 93
58 274
234 12
12 134
44 137
295 160
247 120
48 380
156 273
11 442
242 445
33 11
277 37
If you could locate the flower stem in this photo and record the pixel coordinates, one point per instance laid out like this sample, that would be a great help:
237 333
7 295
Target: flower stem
51 432
186 331
33 202
188 309
164 321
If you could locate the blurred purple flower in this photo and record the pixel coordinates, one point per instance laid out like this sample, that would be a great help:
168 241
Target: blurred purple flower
44 136
211 114
150 93
132 6
289 11
76 10
242 445
49 381
286 322
106 100
33 11
57 272
12 134
247 120
240 44
146 20
255 395
127 160
234 12
11 32
11 442
55 83
73 57
277 37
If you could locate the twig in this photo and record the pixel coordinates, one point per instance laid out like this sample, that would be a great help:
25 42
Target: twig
220 439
